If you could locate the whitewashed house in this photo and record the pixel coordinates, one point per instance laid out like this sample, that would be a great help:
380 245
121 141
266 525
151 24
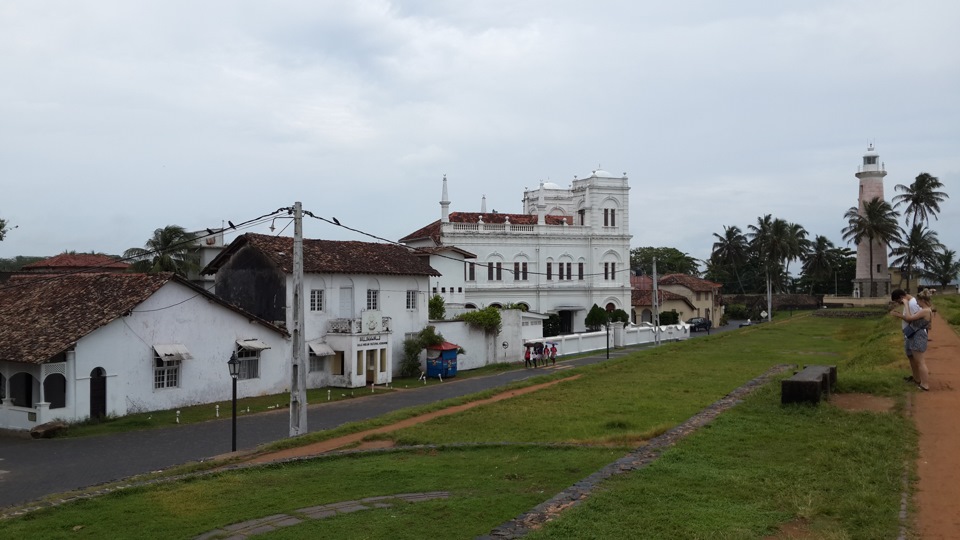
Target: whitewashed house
361 299
74 346
567 250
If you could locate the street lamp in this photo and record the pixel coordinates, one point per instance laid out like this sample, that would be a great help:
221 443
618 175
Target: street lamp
234 366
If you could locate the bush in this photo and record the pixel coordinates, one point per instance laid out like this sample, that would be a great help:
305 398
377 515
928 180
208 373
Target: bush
551 326
619 315
487 319
737 311
596 318
410 365
669 317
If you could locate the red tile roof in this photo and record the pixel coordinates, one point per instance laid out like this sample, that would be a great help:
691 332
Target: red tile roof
77 261
330 256
432 230
690 282
644 297
42 316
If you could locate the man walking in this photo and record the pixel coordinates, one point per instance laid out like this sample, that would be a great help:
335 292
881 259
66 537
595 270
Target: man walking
911 307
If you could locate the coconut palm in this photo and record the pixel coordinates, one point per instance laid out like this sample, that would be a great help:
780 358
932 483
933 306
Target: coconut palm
820 261
170 249
943 268
799 245
921 198
730 249
773 241
918 247
876 222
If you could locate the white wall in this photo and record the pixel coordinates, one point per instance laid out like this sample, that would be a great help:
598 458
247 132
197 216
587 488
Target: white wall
175 314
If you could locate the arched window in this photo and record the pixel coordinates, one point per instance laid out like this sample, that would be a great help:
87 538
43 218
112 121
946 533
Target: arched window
21 390
55 390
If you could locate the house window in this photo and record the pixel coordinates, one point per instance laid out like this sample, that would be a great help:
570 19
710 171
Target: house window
549 271
471 272
373 299
166 373
609 270
489 271
580 271
569 271
560 271
609 217
359 362
249 363
499 272
383 360
411 299
316 300
582 214
316 363
698 296
520 271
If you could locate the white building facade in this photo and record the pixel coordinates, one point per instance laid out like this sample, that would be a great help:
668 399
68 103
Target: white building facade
93 345
568 250
361 300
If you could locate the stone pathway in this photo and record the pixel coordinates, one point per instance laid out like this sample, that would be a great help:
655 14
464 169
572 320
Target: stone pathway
253 527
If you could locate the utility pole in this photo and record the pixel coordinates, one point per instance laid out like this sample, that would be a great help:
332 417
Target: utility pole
656 306
298 382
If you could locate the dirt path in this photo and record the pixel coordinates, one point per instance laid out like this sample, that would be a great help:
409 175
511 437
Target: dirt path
339 442
935 413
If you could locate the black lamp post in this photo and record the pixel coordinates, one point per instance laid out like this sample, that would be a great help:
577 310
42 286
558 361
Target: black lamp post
234 366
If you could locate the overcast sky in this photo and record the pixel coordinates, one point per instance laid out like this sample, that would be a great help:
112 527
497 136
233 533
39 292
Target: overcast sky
120 117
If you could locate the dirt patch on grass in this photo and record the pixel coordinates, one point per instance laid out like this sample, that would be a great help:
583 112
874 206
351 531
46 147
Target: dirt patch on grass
862 402
357 438
793 530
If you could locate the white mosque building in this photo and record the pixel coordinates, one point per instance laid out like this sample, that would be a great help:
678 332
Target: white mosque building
567 250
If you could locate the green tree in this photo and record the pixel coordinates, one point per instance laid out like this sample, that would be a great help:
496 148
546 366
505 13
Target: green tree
943 268
596 318
922 198
773 242
730 250
877 223
170 249
915 249
3 229
412 346
669 261
436 308
820 262
619 315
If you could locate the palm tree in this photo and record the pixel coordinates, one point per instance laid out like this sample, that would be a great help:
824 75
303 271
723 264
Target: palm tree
170 249
877 222
773 242
799 245
820 261
919 246
921 197
730 249
943 268
3 229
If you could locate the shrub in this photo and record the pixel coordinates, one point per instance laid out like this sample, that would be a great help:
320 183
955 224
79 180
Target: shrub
737 311
410 365
619 315
669 317
487 319
596 318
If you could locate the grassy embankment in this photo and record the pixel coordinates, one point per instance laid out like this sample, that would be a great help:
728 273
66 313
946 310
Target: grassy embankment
759 466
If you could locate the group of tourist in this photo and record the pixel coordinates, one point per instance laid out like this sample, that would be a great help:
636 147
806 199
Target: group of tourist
538 352
916 318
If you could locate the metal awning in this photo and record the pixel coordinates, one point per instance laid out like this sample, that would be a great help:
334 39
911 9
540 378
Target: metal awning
252 344
320 348
174 351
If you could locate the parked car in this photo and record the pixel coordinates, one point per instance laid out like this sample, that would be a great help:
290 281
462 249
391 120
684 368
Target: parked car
698 323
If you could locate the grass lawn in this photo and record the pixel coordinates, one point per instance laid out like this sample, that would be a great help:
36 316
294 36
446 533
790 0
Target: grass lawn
757 467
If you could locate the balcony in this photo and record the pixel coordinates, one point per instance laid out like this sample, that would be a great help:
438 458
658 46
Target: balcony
355 326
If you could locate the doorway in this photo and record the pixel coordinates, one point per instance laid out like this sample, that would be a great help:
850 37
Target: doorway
98 393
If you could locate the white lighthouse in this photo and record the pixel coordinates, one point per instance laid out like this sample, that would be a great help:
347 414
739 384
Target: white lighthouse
871 175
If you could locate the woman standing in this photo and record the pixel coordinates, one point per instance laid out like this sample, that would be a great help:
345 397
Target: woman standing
917 337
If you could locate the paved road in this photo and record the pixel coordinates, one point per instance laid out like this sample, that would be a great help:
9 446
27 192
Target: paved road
31 469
